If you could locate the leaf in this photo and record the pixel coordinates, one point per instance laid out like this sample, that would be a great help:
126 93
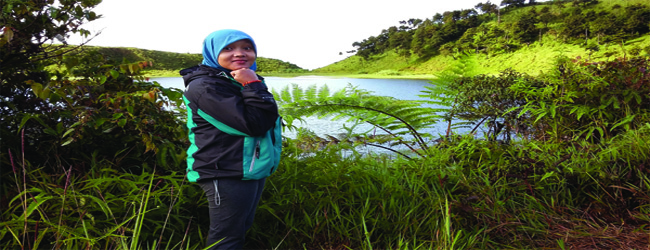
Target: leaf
45 93
553 109
68 142
55 97
8 34
37 88
601 131
68 132
540 116
626 120
34 205
114 73
549 174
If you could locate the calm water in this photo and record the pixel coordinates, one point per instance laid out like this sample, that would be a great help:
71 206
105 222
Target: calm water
403 89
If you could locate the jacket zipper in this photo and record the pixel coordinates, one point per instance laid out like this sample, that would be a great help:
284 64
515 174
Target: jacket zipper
256 155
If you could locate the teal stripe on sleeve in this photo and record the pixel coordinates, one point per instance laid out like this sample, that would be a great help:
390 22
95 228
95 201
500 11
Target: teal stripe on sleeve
223 127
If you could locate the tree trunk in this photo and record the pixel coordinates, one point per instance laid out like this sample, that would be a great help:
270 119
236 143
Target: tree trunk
498 16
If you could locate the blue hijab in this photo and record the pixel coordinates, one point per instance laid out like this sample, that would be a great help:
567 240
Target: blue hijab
216 41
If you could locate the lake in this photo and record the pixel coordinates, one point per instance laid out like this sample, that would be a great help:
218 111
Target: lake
403 89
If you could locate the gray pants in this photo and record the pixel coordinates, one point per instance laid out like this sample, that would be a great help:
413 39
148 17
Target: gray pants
232 205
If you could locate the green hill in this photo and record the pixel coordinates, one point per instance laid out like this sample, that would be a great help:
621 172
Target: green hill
525 37
169 63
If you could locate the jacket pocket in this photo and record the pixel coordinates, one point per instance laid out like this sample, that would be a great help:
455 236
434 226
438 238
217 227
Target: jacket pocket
255 156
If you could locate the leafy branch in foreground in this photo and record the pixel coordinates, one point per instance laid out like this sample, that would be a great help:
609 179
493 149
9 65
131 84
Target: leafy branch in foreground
401 120
446 90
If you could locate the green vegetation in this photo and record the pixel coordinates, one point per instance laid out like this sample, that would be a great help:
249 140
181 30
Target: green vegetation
524 37
93 154
161 63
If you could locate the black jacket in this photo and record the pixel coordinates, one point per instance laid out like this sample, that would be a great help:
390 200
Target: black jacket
235 131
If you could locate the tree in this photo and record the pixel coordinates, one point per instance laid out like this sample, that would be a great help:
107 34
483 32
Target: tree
85 109
366 48
437 18
487 7
29 28
638 19
545 16
467 13
584 3
422 36
513 3
574 24
30 24
410 24
605 24
451 16
524 28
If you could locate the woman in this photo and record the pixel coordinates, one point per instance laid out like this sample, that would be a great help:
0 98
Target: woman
234 130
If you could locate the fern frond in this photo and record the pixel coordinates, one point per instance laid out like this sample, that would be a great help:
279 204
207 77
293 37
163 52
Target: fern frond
394 117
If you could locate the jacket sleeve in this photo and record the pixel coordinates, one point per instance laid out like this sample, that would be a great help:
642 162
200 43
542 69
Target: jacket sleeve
251 111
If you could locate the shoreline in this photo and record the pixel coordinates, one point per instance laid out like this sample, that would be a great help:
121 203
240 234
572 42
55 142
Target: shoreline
170 73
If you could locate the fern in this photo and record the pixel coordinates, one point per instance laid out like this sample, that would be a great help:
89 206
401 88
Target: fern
399 119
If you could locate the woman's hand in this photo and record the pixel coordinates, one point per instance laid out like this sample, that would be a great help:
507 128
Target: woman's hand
244 75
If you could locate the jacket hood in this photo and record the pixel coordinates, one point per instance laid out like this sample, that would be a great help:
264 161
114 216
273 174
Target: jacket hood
216 41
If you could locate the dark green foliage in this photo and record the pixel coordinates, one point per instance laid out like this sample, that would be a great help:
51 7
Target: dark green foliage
525 29
605 26
462 30
104 103
28 26
487 7
638 21
269 65
593 101
513 3
83 139
575 25
160 60
483 99
584 3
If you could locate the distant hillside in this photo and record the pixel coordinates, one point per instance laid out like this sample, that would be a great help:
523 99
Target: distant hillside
523 35
170 61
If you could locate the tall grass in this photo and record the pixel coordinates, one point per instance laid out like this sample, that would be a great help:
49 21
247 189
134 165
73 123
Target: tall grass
102 209
471 194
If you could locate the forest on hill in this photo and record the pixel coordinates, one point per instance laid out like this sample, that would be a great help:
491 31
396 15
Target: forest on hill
169 63
519 34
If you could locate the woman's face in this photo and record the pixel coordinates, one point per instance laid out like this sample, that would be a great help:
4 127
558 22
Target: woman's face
237 55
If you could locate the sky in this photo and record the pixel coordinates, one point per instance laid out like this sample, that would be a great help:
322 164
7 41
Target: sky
307 33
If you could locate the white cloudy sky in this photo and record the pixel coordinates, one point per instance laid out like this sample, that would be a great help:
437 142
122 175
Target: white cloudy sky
307 33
